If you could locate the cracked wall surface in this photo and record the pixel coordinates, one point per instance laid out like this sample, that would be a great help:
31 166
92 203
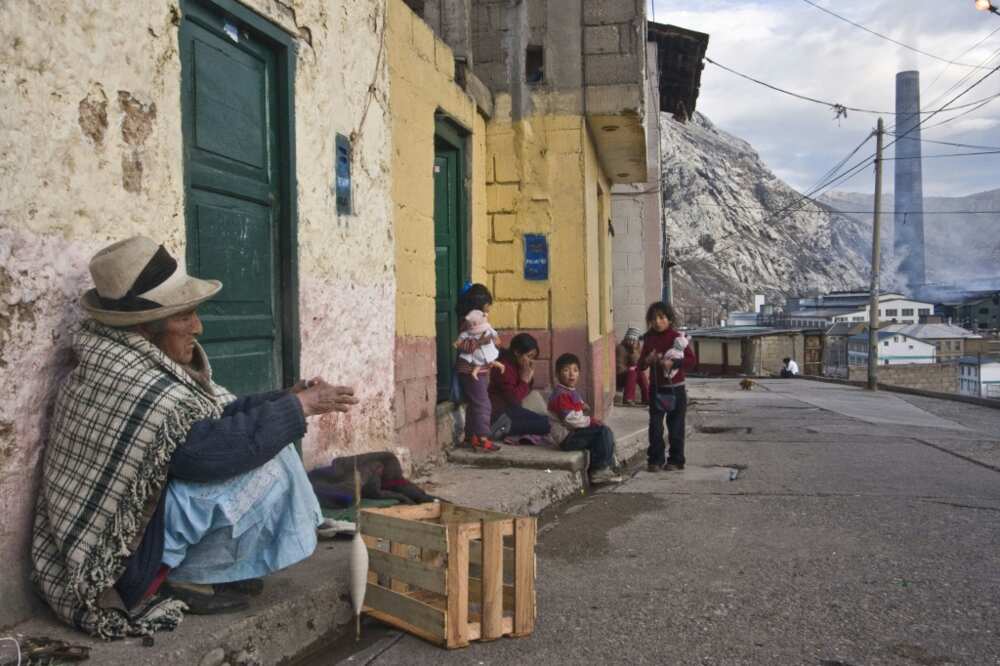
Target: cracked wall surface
91 152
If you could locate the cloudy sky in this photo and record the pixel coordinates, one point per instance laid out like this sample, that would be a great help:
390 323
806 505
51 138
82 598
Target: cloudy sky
798 47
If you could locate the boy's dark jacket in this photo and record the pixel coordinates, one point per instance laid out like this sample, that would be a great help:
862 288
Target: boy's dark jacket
660 343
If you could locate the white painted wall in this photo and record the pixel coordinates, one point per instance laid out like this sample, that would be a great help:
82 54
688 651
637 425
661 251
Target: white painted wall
890 310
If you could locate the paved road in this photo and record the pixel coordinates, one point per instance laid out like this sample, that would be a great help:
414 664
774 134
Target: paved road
847 540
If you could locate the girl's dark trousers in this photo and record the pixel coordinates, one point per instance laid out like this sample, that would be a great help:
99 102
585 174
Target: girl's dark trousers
675 427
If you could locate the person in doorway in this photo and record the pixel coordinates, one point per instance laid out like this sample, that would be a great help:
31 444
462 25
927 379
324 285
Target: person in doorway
511 385
627 365
668 397
580 431
475 384
790 368
160 489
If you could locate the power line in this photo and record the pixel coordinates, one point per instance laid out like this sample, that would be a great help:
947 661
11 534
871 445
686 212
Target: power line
890 39
833 210
824 183
932 157
956 145
859 167
833 105
961 55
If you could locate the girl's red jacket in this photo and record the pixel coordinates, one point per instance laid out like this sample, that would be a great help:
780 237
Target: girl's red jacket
660 343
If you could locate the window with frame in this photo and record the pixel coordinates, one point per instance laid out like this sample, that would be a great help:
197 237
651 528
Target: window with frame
924 311
892 312
907 312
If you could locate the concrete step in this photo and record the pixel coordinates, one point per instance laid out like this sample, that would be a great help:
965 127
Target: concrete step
629 424
526 457
308 602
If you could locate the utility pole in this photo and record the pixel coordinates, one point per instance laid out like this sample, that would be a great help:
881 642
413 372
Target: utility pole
876 259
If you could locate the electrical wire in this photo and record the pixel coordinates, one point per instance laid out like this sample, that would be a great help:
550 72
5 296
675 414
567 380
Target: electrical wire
835 210
934 157
860 166
833 105
956 145
961 55
890 39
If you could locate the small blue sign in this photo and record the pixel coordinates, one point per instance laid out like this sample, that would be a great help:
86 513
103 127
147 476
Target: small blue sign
536 257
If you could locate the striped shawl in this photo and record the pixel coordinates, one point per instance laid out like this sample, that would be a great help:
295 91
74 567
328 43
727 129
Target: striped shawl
117 420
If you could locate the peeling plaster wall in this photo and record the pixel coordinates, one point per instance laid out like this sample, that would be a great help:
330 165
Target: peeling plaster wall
91 152
422 79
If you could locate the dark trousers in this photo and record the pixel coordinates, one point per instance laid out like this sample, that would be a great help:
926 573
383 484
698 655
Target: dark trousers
599 440
675 428
526 422
477 407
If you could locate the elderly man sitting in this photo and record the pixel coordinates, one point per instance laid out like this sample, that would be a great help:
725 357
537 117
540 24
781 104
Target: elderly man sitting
160 488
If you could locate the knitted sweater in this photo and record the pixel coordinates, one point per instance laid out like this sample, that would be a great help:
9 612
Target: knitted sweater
660 343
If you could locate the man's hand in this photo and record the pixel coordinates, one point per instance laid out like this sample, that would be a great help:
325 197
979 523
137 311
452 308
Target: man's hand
303 384
651 358
322 398
667 363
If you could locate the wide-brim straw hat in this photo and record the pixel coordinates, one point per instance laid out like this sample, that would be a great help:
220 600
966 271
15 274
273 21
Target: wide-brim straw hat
137 281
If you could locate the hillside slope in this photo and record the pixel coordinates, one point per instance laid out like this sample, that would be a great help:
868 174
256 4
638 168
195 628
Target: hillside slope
720 202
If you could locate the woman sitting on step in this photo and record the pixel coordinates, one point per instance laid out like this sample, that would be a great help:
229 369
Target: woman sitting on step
160 488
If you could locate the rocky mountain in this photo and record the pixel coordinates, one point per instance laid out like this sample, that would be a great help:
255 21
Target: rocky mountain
728 235
960 249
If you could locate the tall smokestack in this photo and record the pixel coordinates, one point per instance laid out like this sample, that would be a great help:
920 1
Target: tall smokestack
908 221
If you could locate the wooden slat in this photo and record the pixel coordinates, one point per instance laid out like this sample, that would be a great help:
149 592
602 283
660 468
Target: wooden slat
409 571
476 557
524 576
457 623
429 621
492 582
411 532
405 626
475 593
400 550
372 544
427 511
451 513
476 628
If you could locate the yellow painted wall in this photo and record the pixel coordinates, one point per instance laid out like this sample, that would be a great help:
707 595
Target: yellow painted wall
544 177
422 83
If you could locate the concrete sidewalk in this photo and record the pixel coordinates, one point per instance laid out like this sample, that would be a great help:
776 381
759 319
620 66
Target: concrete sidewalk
309 602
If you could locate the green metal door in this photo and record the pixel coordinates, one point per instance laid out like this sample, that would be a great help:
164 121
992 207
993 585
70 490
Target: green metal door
449 259
233 160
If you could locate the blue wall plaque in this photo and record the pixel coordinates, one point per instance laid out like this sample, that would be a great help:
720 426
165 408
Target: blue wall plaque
536 257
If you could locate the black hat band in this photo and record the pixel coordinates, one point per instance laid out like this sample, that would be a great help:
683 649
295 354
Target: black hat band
156 271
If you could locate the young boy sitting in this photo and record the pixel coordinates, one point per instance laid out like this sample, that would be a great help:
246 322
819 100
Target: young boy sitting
574 429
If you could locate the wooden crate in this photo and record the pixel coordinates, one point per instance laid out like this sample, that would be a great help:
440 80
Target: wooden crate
450 574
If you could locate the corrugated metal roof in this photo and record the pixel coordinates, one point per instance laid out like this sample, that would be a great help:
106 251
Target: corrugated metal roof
932 331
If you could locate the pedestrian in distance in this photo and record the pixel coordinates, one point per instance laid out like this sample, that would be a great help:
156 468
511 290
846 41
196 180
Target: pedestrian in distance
790 369
668 396
627 365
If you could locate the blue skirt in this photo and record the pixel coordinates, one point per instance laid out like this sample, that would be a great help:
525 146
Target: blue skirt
244 527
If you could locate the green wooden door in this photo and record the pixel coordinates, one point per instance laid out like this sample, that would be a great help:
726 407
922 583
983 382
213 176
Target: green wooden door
233 167
448 255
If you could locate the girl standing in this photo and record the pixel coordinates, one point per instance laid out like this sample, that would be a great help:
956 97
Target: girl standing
668 397
475 384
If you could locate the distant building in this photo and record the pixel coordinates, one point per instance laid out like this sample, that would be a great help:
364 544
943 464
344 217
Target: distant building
980 314
948 340
979 376
749 350
836 358
893 349
852 307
